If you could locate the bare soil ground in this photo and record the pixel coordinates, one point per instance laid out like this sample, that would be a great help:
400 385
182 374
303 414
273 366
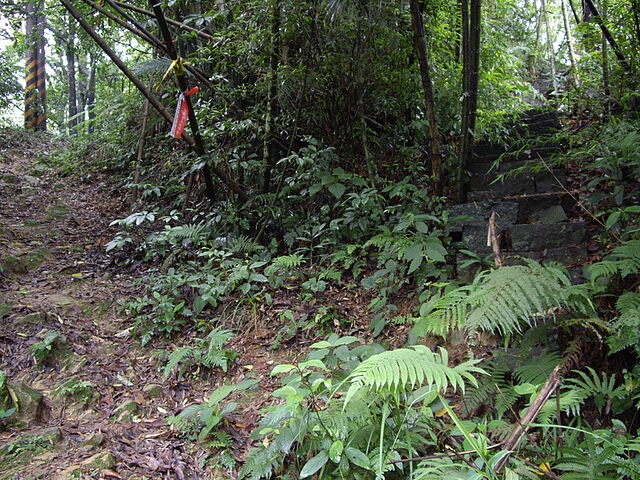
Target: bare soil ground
92 403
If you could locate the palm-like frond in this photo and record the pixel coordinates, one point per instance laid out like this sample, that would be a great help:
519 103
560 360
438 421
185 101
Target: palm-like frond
405 368
602 388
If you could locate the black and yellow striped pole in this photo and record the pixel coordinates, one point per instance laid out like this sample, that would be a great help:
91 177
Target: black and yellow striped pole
35 111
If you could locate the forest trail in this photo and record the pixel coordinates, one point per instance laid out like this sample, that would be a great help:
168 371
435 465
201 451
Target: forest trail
92 403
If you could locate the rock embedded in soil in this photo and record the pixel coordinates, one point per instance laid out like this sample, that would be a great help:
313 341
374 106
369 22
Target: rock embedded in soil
153 390
32 407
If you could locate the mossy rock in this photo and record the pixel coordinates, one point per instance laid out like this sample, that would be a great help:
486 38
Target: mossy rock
126 411
51 349
32 407
74 391
14 266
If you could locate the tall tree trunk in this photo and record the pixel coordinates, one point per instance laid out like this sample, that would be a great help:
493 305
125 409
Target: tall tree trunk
361 47
72 92
91 96
550 50
268 149
35 114
635 6
471 20
575 77
606 84
419 43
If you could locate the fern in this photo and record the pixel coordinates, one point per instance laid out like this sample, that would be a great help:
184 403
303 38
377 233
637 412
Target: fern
242 245
623 260
592 462
570 402
601 388
261 462
209 352
503 300
188 234
184 355
537 369
215 355
405 368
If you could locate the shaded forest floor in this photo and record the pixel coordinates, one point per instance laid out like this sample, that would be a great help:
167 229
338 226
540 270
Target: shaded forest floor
92 401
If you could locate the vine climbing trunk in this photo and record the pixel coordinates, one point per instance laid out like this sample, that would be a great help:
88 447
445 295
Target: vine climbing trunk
35 106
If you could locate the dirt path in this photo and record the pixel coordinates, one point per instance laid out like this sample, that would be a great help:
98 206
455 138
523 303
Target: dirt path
91 402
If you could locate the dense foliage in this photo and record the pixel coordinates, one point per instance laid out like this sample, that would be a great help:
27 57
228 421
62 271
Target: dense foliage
314 111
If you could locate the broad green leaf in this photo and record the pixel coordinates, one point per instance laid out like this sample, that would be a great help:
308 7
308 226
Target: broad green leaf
357 457
313 363
313 465
611 221
335 452
337 189
282 368
435 250
414 254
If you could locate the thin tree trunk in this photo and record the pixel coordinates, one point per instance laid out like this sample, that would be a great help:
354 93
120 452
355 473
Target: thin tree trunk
360 86
70 52
268 150
91 97
419 43
575 77
140 152
146 92
606 84
471 11
550 50
35 114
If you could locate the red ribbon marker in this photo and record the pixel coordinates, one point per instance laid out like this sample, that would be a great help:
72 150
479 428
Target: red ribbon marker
182 114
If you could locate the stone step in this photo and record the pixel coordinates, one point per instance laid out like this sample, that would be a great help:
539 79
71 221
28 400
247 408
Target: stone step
481 211
482 189
540 121
523 237
568 256
485 153
525 182
531 206
532 237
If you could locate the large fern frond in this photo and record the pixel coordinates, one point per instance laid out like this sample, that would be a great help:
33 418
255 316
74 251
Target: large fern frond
405 368
188 234
601 388
503 300
538 368
514 295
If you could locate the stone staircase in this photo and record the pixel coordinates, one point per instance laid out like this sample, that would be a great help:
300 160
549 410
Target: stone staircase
533 207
